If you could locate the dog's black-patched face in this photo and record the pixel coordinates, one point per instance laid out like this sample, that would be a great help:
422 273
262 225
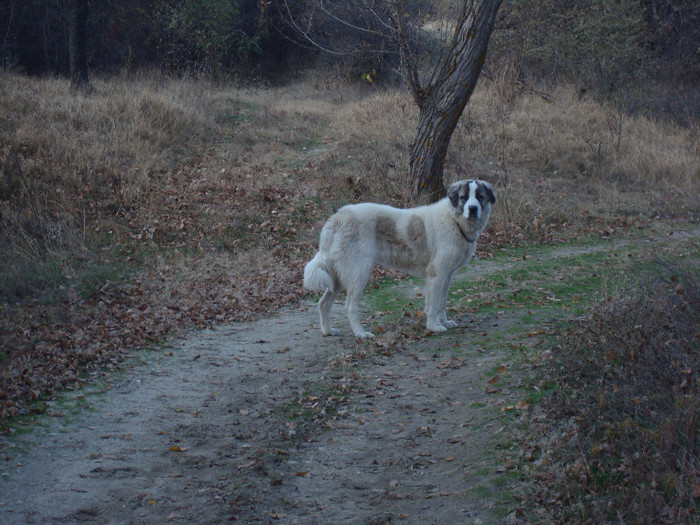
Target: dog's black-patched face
471 197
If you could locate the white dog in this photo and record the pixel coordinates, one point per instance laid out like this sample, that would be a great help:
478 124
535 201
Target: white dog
431 242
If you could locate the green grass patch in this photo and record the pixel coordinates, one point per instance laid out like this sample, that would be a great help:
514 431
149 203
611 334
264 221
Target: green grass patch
237 112
555 284
43 280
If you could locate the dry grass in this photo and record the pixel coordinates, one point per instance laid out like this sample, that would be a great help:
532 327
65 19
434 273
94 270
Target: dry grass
568 157
72 164
170 203
621 443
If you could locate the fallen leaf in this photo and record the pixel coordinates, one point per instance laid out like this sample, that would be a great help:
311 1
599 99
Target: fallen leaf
176 448
696 490
494 379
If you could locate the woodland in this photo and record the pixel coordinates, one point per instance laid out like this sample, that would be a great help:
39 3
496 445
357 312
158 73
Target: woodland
166 166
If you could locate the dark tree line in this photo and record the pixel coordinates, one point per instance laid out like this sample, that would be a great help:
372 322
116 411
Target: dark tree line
77 51
200 37
437 48
216 37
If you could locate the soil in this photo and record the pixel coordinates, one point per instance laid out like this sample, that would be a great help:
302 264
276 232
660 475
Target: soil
270 422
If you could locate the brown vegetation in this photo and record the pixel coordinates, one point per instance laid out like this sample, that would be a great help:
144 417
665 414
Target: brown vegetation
621 440
154 204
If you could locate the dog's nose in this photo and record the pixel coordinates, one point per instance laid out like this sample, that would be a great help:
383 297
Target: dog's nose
473 211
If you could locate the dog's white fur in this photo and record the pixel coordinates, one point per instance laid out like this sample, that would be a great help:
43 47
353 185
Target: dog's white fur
431 242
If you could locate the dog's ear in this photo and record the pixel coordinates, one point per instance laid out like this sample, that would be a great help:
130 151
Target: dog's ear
453 193
489 191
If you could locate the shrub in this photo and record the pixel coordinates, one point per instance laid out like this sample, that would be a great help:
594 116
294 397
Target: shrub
628 386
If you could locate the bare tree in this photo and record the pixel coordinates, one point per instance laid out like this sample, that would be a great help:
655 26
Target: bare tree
442 102
77 50
441 86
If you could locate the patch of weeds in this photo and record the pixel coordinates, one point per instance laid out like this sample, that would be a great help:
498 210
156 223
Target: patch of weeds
238 112
483 472
564 285
92 277
388 303
536 394
42 280
311 143
292 163
234 236
623 393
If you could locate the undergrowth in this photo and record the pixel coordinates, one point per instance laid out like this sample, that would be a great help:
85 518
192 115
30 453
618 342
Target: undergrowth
620 442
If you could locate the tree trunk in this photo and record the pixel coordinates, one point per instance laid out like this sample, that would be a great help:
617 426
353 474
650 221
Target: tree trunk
445 101
76 46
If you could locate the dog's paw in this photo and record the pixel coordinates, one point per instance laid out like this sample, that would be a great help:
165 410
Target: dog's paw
435 328
449 324
364 335
333 332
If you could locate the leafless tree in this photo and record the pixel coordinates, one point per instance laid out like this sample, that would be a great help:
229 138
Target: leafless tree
441 82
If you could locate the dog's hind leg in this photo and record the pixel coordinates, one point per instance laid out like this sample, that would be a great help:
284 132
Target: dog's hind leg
324 308
354 292
353 313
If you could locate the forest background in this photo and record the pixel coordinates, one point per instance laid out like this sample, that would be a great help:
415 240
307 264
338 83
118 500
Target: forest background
186 188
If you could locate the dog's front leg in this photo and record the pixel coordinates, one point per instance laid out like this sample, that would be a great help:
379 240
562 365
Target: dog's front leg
433 301
442 314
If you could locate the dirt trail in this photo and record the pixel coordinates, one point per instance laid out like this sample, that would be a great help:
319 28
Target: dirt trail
272 423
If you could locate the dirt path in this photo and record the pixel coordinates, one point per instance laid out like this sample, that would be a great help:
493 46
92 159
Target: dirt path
271 422
205 435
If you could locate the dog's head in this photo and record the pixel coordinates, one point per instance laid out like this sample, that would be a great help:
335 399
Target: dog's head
471 199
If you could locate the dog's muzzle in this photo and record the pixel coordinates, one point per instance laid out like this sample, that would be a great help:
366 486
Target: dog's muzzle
473 212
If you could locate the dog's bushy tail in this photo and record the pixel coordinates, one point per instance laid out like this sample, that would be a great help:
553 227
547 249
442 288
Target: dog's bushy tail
317 274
